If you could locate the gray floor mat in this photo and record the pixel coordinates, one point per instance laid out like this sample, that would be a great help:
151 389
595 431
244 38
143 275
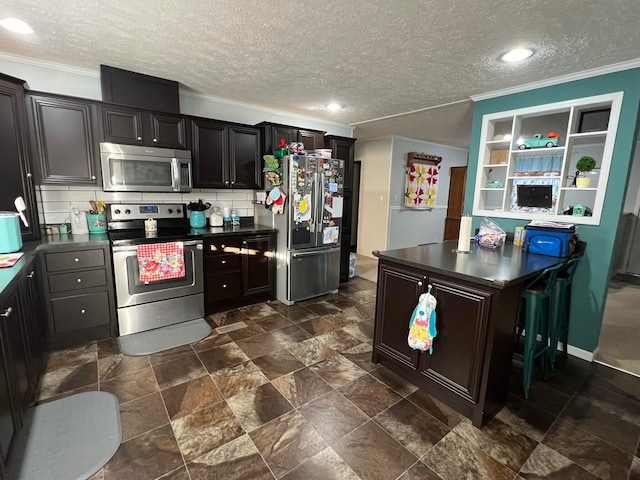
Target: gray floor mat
71 438
164 338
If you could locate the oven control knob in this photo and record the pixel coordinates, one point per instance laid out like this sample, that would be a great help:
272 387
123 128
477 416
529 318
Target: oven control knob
170 210
178 210
127 211
117 211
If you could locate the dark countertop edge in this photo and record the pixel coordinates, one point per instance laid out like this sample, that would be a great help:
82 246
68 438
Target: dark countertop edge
442 271
10 275
542 261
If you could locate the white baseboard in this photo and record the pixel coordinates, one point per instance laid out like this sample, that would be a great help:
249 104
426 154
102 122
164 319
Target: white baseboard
571 350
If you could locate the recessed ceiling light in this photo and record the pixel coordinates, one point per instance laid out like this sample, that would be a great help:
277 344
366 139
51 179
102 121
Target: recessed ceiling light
16 25
334 107
516 55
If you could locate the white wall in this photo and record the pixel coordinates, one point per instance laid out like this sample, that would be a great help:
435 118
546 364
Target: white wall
375 173
66 80
408 227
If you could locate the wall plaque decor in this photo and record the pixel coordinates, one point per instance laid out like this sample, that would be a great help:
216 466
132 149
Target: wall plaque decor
421 180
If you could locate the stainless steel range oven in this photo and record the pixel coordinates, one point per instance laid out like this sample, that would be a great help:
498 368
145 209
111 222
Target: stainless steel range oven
146 305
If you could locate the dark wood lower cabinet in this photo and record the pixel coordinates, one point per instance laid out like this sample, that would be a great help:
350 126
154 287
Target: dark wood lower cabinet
471 353
22 342
239 270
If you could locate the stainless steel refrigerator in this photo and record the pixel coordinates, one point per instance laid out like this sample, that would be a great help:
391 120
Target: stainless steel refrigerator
310 227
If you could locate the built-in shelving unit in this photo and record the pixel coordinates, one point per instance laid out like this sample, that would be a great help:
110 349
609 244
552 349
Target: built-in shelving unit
547 170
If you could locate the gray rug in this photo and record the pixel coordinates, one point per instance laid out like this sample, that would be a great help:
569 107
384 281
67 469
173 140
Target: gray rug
165 338
71 438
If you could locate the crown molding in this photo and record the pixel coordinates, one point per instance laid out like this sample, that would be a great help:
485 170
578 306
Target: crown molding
594 72
235 103
442 105
60 67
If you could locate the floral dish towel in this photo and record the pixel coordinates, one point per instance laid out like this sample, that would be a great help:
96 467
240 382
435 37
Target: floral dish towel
160 261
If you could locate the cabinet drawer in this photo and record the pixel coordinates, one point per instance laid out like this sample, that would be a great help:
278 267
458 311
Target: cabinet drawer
63 282
71 314
222 262
58 262
218 245
224 286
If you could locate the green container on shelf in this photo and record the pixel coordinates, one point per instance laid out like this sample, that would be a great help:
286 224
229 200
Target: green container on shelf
97 222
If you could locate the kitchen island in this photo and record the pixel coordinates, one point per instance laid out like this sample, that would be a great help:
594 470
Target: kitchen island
478 295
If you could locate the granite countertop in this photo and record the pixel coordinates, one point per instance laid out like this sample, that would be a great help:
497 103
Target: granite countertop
54 242
495 267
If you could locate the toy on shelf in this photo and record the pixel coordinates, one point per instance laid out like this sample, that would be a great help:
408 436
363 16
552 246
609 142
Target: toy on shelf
537 141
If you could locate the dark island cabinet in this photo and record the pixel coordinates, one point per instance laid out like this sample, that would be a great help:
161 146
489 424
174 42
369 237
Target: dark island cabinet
16 179
239 270
225 155
469 367
456 361
401 289
141 127
62 139
274 134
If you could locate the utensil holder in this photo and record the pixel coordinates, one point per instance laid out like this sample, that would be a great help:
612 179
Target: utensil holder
97 222
197 219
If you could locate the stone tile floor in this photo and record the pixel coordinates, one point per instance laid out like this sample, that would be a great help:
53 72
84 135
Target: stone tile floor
294 395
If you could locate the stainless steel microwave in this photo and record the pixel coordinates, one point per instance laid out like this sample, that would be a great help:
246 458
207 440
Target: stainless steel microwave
131 168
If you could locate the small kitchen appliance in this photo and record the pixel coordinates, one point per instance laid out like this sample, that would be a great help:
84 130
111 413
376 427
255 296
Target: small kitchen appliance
131 168
10 236
79 221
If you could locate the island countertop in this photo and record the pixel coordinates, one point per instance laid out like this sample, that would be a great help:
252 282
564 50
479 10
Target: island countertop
496 267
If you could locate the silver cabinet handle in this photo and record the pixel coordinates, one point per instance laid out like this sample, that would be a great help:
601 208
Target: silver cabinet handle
7 312
224 286
31 274
139 138
244 242
29 175
222 246
419 283
93 177
227 182
155 140
82 311
223 262
76 259
79 280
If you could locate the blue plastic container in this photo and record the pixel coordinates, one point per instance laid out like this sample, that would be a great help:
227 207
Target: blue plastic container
10 236
197 219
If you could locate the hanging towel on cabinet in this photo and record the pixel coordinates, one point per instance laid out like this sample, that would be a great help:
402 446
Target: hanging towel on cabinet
422 328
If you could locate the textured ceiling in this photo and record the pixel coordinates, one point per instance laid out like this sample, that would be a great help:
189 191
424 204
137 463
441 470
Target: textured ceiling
376 57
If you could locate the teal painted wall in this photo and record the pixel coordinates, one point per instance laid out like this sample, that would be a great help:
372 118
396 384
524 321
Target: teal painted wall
592 277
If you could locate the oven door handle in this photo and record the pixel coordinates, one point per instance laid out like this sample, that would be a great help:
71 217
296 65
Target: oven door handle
133 248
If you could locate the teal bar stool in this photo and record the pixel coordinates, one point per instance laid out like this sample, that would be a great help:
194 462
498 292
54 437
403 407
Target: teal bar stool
535 311
561 306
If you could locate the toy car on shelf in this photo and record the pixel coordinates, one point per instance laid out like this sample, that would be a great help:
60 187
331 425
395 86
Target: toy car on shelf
551 140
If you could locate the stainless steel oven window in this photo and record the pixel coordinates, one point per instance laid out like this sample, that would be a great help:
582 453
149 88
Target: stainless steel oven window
129 289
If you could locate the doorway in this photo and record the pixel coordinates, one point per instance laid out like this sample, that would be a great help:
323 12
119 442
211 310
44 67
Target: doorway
455 203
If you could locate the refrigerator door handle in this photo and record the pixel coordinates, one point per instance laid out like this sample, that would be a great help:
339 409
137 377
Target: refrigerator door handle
324 251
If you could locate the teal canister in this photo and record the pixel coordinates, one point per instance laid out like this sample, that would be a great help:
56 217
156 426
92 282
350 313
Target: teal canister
197 219
10 236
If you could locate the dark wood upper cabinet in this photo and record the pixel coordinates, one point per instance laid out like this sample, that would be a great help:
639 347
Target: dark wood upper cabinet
273 134
141 127
343 148
311 139
210 150
245 160
16 179
225 155
62 139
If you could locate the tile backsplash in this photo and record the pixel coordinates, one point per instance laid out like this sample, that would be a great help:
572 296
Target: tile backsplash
55 201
